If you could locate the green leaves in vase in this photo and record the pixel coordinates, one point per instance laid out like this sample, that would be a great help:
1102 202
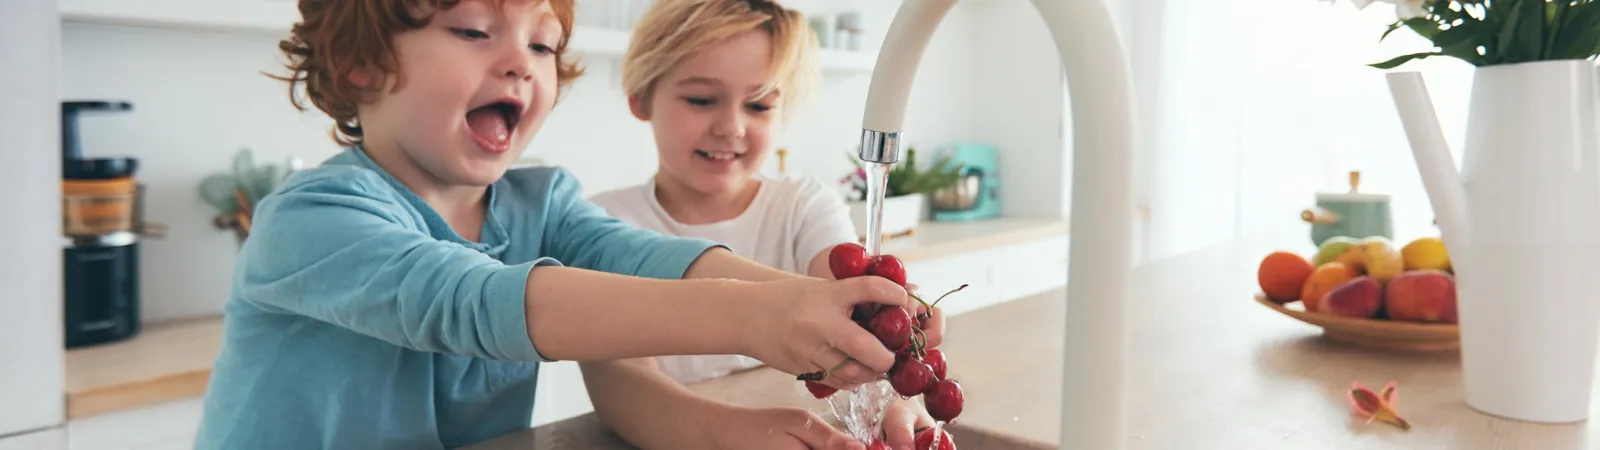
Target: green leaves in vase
906 178
1495 32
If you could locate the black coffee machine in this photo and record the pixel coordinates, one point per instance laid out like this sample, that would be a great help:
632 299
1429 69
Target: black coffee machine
102 221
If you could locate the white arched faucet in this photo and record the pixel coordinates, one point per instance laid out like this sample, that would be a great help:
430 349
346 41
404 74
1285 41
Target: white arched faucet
1099 273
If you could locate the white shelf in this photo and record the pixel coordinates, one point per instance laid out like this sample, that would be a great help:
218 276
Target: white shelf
598 42
276 16
260 16
846 61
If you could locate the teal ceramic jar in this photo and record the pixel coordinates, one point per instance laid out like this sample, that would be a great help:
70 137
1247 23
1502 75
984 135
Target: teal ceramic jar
1352 214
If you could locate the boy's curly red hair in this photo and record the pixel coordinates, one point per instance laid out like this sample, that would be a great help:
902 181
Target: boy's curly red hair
335 37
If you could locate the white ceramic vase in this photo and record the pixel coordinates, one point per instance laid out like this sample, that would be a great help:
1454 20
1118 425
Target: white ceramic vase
900 214
1522 224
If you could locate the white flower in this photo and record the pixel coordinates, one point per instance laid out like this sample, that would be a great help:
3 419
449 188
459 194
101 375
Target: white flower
1408 9
1405 9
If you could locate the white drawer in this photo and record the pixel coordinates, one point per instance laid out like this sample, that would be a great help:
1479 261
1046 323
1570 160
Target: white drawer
562 393
169 425
937 276
994 275
1030 268
47 439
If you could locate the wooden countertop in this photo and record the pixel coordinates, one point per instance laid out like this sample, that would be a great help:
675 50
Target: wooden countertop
939 239
1208 368
172 361
164 362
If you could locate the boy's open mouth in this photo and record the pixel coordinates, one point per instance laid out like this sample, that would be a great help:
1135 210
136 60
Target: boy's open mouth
718 156
492 124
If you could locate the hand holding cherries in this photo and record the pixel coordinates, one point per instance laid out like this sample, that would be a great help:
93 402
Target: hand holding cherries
918 369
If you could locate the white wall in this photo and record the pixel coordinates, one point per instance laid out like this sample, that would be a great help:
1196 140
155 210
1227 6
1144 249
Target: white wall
1019 79
31 335
198 97
1243 124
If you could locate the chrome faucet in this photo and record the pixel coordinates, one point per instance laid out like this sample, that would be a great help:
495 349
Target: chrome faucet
1100 266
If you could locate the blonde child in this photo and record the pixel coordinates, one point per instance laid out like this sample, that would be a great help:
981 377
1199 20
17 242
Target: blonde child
716 79
402 294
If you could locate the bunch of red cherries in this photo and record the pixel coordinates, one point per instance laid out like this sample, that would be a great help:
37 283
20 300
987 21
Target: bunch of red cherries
917 370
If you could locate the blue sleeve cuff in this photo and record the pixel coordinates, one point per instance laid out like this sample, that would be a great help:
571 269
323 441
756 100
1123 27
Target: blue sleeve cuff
672 259
508 294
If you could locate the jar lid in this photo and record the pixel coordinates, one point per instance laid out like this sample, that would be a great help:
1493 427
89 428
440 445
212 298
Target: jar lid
1354 196
98 168
112 239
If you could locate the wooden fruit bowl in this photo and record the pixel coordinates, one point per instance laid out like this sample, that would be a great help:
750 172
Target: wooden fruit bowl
1374 333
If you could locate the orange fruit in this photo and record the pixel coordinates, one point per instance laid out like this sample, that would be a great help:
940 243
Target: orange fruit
1324 279
1282 274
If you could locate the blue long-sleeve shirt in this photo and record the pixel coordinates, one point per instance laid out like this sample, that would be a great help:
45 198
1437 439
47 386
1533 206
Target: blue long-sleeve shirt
358 319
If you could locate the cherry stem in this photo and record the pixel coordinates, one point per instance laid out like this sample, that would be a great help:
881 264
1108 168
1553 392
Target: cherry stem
919 300
947 294
846 362
819 375
920 347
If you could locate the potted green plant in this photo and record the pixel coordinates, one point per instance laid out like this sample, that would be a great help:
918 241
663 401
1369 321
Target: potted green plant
906 193
234 193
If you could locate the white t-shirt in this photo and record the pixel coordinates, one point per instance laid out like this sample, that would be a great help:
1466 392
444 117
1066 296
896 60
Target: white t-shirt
790 222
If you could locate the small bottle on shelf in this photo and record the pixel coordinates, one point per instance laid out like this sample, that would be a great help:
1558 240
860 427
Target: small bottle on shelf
823 26
850 30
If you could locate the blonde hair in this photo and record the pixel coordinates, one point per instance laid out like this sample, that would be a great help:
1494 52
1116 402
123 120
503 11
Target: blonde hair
673 30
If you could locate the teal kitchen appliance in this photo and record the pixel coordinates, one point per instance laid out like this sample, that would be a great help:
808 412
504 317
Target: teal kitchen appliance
976 196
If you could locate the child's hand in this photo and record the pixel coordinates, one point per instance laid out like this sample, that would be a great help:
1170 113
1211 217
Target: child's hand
901 421
779 428
803 325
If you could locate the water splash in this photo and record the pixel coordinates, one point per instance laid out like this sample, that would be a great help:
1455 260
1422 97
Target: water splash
839 403
862 410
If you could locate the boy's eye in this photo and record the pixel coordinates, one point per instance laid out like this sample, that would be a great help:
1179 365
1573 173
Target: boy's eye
759 107
541 48
469 34
699 101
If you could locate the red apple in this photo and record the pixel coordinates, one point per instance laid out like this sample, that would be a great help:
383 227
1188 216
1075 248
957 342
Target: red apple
1360 297
1422 296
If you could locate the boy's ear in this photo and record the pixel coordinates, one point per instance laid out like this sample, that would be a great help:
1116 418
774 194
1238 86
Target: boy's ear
639 106
361 77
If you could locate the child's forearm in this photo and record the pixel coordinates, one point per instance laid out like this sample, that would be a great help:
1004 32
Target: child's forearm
648 409
721 263
581 315
819 266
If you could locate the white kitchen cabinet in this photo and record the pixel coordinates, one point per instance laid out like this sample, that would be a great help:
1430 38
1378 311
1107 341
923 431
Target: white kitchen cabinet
1021 270
31 336
562 393
167 426
993 276
47 439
